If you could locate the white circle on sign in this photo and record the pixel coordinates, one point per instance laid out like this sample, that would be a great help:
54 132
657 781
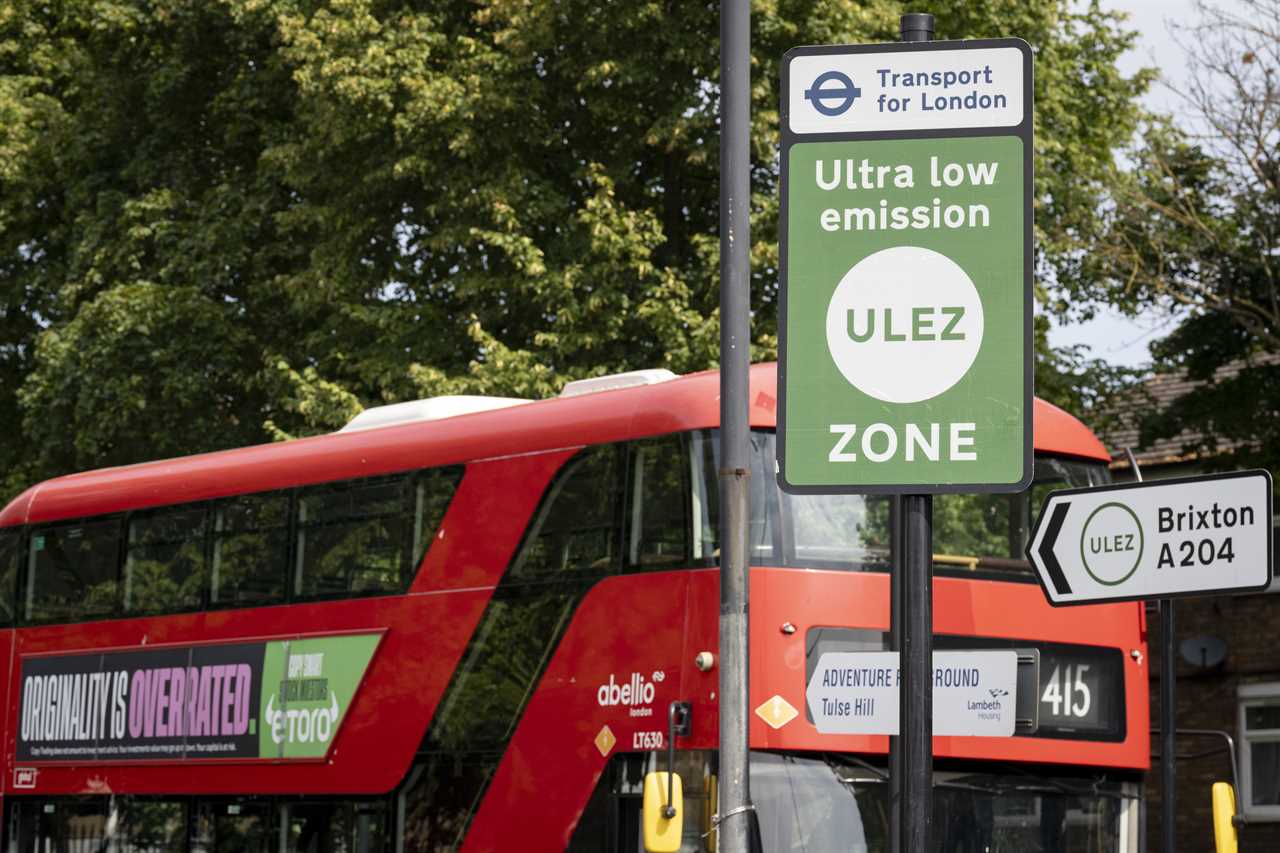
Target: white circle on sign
904 324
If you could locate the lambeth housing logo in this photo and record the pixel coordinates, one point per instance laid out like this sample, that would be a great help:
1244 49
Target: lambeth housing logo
832 100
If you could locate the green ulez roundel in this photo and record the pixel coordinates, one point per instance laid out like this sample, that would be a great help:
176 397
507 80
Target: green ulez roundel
905 312
307 687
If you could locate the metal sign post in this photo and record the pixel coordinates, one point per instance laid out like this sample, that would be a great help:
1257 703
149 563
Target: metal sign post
734 818
905 313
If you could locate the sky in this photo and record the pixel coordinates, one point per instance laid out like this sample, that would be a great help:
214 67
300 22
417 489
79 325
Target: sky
1122 340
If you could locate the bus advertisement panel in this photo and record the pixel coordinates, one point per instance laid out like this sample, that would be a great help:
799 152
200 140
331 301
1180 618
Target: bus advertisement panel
190 702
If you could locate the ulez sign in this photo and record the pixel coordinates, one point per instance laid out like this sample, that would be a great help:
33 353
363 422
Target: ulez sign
906 268
1157 539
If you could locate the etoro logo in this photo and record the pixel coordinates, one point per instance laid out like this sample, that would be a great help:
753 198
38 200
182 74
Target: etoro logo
632 693
302 725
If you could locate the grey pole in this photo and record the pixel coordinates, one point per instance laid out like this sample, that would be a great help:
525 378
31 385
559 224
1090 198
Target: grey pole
735 461
1168 712
915 738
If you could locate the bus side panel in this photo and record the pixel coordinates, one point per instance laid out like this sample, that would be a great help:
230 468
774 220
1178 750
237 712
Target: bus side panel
606 690
425 635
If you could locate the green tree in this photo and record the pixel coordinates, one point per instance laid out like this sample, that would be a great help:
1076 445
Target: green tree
227 222
1194 233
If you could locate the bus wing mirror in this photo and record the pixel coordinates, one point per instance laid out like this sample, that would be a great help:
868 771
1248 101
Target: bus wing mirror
663 820
1225 839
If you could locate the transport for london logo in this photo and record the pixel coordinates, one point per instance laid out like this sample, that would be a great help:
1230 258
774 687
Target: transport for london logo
832 100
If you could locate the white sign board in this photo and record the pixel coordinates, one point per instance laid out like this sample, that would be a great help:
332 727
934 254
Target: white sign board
907 87
1157 539
856 693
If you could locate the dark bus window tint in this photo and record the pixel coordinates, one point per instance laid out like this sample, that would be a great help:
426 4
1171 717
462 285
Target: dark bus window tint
441 795
237 827
142 826
165 568
122 824
353 539
10 563
845 532
658 503
432 493
503 661
73 571
577 526
335 827
989 533
572 543
250 549
368 537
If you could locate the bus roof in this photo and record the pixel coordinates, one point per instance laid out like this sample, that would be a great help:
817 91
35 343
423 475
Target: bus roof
685 403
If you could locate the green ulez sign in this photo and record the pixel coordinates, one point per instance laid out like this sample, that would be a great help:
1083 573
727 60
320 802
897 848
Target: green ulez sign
906 282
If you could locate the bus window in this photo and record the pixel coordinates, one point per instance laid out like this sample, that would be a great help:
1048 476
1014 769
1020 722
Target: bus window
971 532
10 562
368 536
833 802
250 549
238 827
441 795
353 538
73 571
849 532
334 827
121 824
989 533
577 524
165 569
657 505
572 542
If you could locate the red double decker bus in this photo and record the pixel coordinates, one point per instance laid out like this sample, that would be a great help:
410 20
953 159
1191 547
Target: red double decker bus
459 624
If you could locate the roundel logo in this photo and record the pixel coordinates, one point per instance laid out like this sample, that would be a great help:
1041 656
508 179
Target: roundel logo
832 93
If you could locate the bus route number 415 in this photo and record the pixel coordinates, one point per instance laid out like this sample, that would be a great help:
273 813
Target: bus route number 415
1069 697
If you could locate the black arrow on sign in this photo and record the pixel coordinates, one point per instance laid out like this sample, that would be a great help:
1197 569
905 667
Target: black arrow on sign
1047 557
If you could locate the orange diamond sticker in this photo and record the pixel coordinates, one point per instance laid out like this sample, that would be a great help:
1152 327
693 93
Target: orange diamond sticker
605 741
777 712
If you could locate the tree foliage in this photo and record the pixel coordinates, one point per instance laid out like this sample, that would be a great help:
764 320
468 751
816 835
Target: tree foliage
1194 232
224 222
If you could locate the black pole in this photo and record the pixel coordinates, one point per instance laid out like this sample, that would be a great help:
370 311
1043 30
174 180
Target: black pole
915 739
1168 729
735 461
895 644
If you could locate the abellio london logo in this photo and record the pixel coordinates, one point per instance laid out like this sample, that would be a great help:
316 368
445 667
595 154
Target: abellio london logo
636 693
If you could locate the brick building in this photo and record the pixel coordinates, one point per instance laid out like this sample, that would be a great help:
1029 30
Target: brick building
1228 674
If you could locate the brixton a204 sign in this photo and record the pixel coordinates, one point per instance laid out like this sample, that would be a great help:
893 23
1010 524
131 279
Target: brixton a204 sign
905 331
